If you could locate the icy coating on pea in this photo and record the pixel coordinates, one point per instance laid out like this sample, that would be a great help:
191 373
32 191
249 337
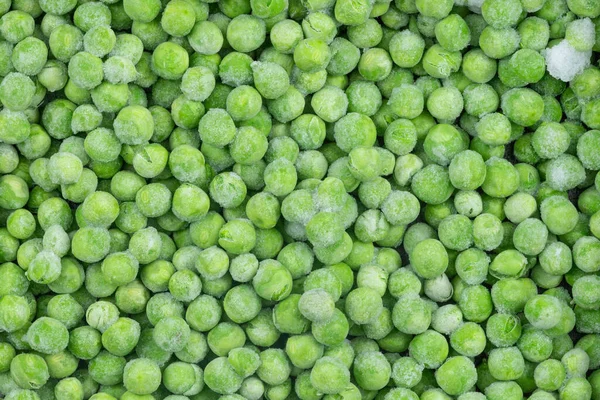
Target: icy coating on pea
299 199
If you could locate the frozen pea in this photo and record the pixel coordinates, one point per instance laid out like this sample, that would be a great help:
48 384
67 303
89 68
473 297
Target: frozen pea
68 388
275 367
17 25
270 79
506 363
14 127
375 64
169 60
453 33
440 63
443 142
206 37
432 185
501 14
585 145
501 179
329 375
217 128
503 390
246 33
243 103
45 267
406 48
186 163
446 375
498 42
171 334
475 302
312 54
272 280
411 314
530 236
352 15
29 371
141 376
478 67
47 335
371 370
16 91
565 172
29 56
407 101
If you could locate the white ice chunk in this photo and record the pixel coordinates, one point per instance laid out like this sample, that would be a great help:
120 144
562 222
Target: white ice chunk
564 62
475 5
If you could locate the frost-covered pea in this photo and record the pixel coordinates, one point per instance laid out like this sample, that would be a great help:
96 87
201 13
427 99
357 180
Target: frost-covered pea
17 25
411 314
431 184
217 128
530 236
285 35
312 55
85 342
243 103
14 312
134 125
288 106
453 33
440 63
352 16
241 304
272 280
45 267
120 268
171 334
21 224
197 83
14 127
375 377
141 376
443 142
559 214
565 172
280 177
506 363
494 129
101 315
16 91
429 258
121 337
316 305
446 375
345 57
329 375
407 101
48 335
275 367
501 179
107 369
503 390
186 163
29 371
246 33
475 303
119 70
363 305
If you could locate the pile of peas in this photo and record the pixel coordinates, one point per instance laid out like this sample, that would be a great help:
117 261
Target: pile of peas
299 199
